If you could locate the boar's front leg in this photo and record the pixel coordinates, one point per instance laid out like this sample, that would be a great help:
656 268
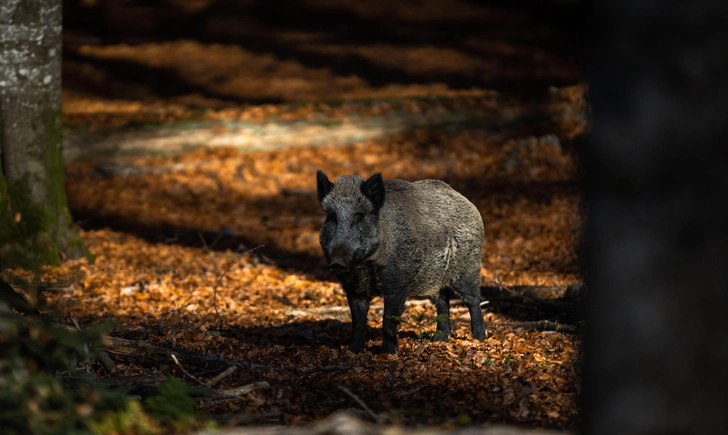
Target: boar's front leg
359 307
393 309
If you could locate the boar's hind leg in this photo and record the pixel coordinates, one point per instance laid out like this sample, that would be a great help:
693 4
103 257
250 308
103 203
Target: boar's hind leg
469 289
442 303
359 307
393 309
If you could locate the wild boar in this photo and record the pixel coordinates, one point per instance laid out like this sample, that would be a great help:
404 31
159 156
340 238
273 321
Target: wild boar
398 239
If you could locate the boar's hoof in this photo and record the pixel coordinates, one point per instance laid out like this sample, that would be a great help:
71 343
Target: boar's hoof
441 336
356 347
480 335
388 348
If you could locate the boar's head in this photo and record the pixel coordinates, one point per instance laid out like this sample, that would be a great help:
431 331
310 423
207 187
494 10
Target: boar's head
351 232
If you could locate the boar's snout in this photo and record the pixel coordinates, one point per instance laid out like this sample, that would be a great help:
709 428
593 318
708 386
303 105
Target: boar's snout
339 260
337 266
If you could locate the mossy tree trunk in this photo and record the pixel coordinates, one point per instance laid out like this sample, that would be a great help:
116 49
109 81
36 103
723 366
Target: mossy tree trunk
657 192
35 225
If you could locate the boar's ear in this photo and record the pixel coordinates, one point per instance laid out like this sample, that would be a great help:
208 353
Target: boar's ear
373 189
323 185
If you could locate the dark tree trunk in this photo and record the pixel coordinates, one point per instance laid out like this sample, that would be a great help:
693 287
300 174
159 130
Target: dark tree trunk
35 225
657 193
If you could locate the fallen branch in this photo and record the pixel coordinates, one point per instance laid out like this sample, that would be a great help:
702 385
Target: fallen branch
139 385
216 380
156 352
161 354
108 363
245 389
193 377
134 380
355 398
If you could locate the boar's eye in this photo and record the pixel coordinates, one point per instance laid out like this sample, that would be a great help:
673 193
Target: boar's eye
358 218
331 217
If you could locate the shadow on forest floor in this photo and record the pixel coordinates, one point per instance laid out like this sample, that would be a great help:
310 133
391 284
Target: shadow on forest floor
522 46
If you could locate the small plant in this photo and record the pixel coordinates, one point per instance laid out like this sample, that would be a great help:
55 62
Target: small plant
173 402
463 420
440 318
174 407
418 317
509 359
489 362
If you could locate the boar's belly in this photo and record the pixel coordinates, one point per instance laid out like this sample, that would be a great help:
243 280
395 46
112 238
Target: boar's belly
425 291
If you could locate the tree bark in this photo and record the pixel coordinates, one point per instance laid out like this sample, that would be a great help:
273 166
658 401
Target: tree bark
657 188
35 225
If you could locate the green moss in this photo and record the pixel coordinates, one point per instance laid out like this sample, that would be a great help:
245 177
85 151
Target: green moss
68 240
25 237
32 232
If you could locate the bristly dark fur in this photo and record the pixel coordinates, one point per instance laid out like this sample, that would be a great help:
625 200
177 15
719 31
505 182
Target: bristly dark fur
399 239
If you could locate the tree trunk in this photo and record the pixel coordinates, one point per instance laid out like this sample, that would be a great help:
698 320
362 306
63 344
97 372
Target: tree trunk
657 192
35 225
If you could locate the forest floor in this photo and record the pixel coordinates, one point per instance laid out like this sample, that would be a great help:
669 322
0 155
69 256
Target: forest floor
215 250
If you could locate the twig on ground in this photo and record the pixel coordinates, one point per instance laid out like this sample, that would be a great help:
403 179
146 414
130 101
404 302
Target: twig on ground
209 249
283 300
216 380
193 377
107 362
178 310
245 389
355 398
